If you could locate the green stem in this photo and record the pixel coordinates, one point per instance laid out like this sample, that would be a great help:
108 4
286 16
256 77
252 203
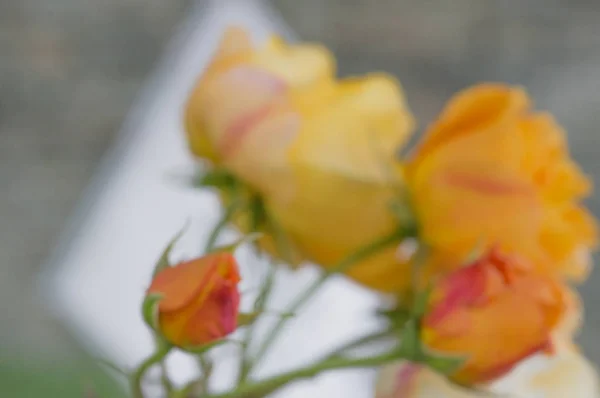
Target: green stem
359 342
206 367
223 221
341 267
283 245
164 378
246 363
283 250
187 390
273 383
138 376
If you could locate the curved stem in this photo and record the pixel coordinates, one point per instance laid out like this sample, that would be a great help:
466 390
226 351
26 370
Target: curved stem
164 378
273 383
357 343
187 390
282 245
138 376
246 362
341 267
223 221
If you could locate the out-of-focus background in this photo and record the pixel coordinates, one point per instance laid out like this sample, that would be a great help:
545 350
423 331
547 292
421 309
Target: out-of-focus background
70 70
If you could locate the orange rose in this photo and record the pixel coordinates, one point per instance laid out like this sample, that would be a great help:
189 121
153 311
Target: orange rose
496 312
199 300
491 171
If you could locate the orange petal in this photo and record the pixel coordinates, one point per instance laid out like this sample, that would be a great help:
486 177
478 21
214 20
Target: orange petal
216 317
474 109
181 284
504 313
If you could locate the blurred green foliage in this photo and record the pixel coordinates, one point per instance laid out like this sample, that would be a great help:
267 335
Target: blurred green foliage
69 378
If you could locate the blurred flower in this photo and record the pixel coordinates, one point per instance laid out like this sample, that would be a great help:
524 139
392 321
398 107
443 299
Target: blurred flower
566 374
345 179
319 151
496 312
199 300
491 171
243 112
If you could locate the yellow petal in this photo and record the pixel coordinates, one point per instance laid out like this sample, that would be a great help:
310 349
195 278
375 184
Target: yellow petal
344 174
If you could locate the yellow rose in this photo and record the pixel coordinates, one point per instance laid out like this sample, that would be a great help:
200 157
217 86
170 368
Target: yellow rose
319 151
345 179
492 172
496 312
243 112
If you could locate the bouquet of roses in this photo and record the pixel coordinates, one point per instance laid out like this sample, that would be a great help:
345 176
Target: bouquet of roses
476 232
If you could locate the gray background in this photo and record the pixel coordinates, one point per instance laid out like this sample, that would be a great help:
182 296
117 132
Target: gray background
70 70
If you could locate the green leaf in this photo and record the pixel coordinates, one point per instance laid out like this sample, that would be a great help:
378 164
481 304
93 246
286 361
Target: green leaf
284 248
163 261
258 214
410 343
217 178
444 363
150 310
404 214
245 319
397 317
59 376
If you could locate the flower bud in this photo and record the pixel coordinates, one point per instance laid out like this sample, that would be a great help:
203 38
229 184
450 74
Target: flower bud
495 312
198 300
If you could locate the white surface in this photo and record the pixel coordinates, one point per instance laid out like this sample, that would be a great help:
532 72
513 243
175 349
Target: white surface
566 374
132 209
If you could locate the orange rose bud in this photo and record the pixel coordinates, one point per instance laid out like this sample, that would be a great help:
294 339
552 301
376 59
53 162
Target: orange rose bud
199 300
496 313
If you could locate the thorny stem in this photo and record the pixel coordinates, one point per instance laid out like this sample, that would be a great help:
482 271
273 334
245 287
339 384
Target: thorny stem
273 383
138 375
223 221
341 267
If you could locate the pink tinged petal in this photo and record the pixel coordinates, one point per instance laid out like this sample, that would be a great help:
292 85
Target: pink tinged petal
228 300
269 92
406 380
240 128
485 185
461 289
472 286
217 318
262 80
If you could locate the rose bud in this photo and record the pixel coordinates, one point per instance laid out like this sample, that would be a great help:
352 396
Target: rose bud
495 312
198 300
